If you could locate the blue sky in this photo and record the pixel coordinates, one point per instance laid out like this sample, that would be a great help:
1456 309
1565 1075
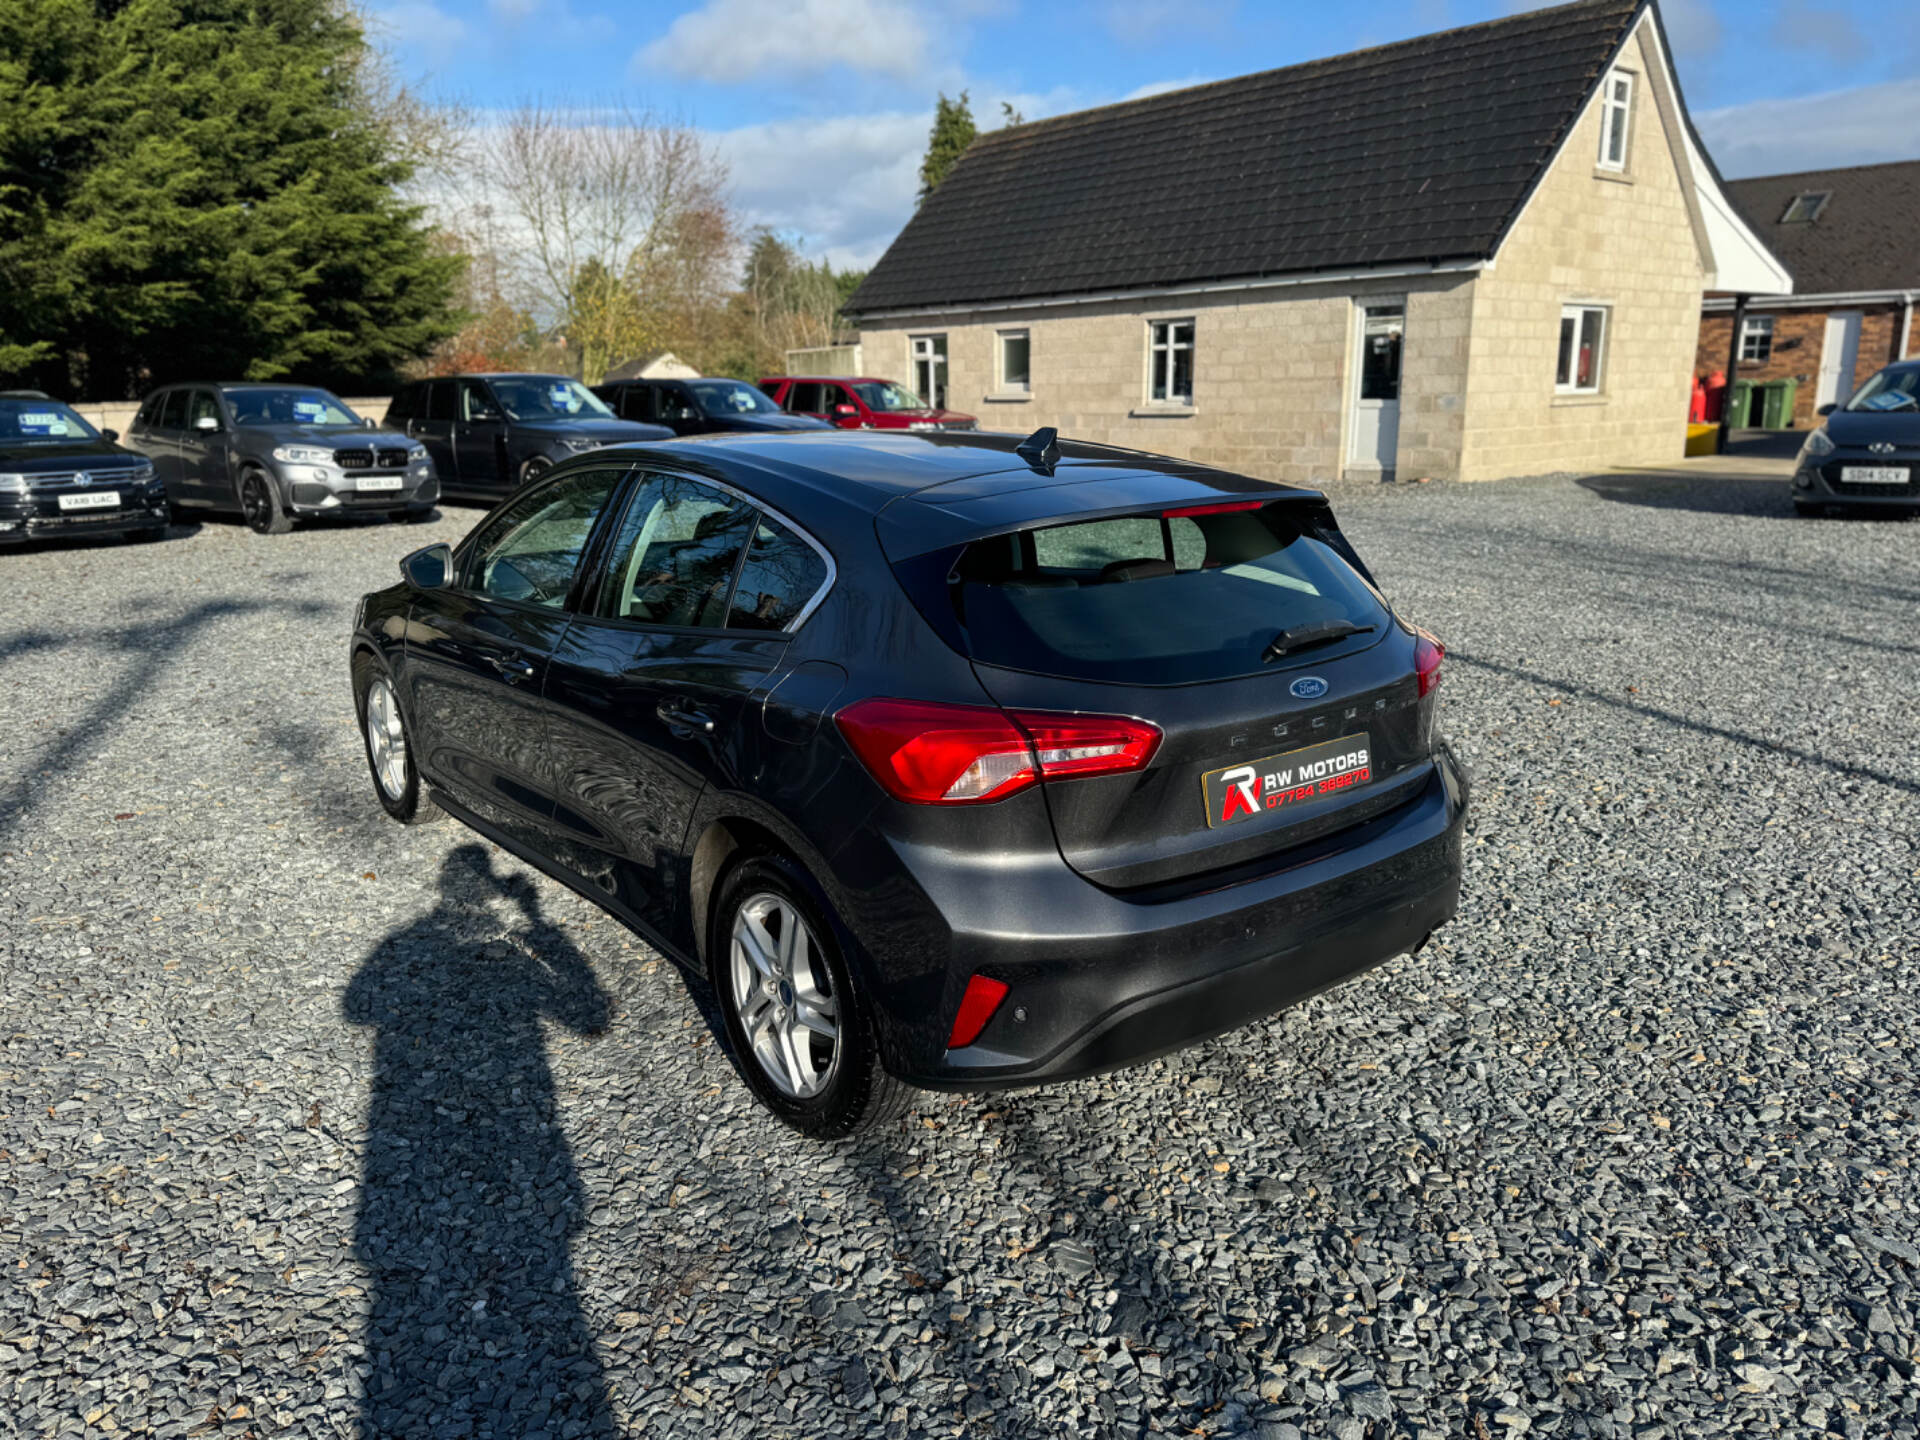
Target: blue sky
820 107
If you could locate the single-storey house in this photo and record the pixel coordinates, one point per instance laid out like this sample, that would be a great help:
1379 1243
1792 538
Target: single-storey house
654 365
1474 254
1852 240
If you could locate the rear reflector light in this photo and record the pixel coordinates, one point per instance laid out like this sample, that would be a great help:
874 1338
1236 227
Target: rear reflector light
1427 655
1225 508
983 997
932 754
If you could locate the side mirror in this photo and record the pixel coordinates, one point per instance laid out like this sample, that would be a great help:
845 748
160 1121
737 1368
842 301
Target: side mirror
429 568
846 410
369 422
207 423
110 436
1826 409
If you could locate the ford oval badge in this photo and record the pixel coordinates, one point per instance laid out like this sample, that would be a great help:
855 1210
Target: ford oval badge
1308 687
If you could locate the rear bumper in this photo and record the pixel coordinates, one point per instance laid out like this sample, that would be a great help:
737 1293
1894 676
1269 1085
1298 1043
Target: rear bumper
1099 981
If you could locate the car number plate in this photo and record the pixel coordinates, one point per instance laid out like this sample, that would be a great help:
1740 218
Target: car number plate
1237 793
90 500
377 482
1874 474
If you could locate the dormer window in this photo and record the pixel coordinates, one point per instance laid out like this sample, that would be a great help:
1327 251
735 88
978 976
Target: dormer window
1616 109
1806 206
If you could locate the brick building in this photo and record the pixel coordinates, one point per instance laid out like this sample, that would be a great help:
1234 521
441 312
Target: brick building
1852 240
1473 254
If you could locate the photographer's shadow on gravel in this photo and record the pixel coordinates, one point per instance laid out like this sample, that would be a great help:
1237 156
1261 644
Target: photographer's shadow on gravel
470 1196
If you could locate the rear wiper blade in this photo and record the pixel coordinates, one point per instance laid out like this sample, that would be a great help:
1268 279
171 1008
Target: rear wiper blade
1302 637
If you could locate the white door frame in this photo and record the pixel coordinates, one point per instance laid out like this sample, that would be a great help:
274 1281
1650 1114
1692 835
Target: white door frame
1365 429
1836 380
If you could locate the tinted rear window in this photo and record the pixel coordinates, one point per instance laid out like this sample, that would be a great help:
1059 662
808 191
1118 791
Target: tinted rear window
1154 599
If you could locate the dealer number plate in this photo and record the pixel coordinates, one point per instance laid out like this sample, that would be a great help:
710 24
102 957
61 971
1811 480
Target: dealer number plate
377 482
1874 474
1238 793
90 500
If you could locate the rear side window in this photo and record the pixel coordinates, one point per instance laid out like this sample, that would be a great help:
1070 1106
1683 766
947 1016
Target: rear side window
440 400
401 407
782 573
173 413
803 397
1154 599
673 558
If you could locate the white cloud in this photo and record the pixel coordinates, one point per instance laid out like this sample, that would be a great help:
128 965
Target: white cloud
727 41
416 28
1861 126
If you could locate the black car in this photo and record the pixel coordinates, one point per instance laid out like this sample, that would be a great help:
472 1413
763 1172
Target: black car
949 763
702 407
1867 452
491 433
59 476
274 453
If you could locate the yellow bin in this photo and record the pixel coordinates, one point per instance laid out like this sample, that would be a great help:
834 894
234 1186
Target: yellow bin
1702 439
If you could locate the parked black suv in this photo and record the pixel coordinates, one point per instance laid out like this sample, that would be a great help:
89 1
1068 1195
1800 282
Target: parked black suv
59 476
491 433
702 407
943 770
274 453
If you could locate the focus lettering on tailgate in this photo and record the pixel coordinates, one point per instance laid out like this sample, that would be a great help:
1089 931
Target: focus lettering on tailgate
1259 787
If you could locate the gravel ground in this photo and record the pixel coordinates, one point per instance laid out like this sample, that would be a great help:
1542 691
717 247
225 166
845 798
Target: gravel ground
314 1125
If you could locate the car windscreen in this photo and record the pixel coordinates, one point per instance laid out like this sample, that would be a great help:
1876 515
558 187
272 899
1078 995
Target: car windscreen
730 397
41 422
1165 598
1889 390
884 395
548 397
288 405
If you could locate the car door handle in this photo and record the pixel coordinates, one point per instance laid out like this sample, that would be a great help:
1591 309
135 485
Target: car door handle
512 669
686 719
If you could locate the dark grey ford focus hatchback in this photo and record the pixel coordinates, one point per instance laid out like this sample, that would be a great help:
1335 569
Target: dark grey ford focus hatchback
949 760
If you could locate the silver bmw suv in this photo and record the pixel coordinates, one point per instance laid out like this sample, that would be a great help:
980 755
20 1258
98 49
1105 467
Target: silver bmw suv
274 453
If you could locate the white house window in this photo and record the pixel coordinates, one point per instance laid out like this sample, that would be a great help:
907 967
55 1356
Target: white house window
930 369
1806 206
1616 108
1756 337
1583 343
1015 354
1170 362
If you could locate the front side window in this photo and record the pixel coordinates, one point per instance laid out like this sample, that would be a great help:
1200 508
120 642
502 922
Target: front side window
41 422
1616 110
731 397
1016 350
202 410
1583 339
440 400
930 368
548 397
673 559
173 414
1756 338
886 397
1170 362
675 405
405 403
531 547
476 403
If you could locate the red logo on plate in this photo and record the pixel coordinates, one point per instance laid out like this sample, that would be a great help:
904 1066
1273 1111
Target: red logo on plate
1243 792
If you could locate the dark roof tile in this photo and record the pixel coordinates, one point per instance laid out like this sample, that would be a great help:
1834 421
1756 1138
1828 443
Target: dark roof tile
1864 238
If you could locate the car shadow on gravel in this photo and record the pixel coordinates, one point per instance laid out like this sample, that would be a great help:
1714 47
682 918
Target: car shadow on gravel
469 1195
1766 497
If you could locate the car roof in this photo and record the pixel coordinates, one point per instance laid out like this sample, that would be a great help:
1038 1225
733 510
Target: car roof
929 488
823 379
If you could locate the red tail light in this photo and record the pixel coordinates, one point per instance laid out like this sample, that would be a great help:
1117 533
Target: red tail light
1427 655
933 754
1225 507
983 997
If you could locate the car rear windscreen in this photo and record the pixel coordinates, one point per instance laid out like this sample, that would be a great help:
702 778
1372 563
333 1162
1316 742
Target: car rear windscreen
1157 599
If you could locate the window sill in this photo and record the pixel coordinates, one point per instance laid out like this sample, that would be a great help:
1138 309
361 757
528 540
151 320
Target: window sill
1581 398
1618 177
1161 412
1008 397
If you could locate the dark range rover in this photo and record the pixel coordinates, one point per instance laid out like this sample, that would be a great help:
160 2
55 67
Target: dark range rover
274 453
489 434
59 476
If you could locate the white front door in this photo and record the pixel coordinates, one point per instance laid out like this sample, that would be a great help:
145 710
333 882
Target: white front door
1376 394
1837 354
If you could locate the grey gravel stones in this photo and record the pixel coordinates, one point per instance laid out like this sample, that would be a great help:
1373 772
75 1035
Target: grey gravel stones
316 1126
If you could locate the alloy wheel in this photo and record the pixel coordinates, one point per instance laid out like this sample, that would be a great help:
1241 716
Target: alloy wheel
255 504
386 739
783 994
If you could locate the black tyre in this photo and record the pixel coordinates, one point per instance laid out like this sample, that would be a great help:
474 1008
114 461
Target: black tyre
260 505
386 738
535 468
801 1032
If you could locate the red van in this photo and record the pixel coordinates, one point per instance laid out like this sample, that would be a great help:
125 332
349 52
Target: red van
861 403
